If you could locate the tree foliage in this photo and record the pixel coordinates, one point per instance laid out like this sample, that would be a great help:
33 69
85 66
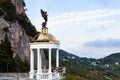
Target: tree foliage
8 63
26 25
8 9
70 77
81 67
6 52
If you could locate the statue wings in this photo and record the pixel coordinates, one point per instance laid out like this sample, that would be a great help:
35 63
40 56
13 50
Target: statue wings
44 15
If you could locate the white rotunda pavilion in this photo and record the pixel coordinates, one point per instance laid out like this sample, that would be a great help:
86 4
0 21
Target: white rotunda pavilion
43 44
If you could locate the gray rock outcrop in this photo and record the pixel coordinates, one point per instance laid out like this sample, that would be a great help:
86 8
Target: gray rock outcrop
17 36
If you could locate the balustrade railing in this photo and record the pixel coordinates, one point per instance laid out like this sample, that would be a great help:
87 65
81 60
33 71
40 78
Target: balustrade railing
44 70
55 75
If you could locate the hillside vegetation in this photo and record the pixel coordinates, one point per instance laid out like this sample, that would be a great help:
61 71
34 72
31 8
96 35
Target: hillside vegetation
107 68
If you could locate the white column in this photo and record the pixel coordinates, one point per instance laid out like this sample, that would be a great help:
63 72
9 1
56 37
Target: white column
38 64
39 60
32 74
49 60
50 74
57 58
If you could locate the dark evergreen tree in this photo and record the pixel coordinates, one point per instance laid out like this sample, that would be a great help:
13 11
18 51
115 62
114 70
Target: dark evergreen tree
7 62
8 48
6 54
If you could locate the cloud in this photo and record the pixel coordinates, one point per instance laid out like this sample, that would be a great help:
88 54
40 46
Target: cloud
95 52
92 52
86 16
74 29
104 43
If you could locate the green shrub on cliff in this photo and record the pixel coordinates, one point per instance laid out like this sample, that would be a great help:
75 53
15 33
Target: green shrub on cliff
26 25
8 9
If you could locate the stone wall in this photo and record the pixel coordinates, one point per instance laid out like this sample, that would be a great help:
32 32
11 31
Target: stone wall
19 75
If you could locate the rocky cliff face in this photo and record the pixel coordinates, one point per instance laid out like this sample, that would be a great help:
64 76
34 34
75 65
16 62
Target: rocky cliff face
19 4
17 36
20 29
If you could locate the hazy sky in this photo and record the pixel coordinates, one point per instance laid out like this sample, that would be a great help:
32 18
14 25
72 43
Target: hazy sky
87 28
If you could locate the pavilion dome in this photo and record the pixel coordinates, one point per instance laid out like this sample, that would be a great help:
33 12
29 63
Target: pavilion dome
40 37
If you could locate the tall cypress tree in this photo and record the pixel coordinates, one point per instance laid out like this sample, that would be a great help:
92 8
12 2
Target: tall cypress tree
8 49
6 54
7 62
